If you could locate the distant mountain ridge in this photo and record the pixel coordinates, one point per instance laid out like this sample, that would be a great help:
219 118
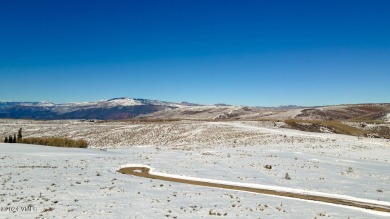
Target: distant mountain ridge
126 108
116 108
122 108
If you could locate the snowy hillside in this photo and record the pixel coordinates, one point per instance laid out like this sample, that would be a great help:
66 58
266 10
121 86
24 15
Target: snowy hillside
41 181
118 108
125 108
64 182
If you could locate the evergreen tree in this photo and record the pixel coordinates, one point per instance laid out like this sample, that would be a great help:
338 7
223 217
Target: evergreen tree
6 140
14 141
20 136
10 140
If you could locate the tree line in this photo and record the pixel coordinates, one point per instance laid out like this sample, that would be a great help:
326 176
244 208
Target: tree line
15 138
48 141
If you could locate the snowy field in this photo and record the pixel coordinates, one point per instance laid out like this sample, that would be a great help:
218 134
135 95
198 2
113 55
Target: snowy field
54 182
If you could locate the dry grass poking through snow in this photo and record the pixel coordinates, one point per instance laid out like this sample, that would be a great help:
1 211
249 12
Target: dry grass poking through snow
57 142
337 127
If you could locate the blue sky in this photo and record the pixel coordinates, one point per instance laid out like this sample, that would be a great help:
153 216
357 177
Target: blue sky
259 53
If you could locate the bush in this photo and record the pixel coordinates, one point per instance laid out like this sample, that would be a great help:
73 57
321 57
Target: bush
380 131
57 142
315 126
338 127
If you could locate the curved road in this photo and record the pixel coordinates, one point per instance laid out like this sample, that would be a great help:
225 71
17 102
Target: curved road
144 172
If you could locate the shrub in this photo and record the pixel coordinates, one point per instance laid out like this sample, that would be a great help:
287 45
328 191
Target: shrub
57 142
380 131
338 127
315 126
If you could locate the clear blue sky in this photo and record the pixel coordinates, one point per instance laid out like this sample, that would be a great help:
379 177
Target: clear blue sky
263 53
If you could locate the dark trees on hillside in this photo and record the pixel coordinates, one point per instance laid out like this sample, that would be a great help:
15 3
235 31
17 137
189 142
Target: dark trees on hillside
11 139
20 136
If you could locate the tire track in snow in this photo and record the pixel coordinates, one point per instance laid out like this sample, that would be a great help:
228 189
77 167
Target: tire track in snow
146 172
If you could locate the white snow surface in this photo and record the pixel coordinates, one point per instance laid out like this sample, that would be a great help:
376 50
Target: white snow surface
124 102
270 187
387 117
83 183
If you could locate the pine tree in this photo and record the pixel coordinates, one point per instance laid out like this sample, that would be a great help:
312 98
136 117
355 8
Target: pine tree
20 136
14 141
10 140
6 140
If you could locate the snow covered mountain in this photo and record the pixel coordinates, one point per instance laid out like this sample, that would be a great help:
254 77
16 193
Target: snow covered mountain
117 108
125 108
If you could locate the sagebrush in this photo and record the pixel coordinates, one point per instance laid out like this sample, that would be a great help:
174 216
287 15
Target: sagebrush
337 127
56 141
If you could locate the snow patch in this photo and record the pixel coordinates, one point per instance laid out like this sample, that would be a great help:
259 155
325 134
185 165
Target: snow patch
124 102
387 118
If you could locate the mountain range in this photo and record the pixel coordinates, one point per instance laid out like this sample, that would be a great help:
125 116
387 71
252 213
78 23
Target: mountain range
127 108
114 109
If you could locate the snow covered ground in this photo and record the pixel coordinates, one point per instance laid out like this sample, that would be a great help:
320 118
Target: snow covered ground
387 118
82 183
